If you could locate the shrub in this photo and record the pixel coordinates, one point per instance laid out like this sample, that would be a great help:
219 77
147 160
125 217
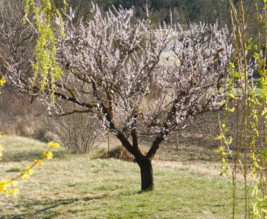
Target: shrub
76 132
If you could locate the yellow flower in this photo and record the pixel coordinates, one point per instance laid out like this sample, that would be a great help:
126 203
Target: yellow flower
24 176
9 187
2 80
52 144
29 170
48 155
4 184
39 162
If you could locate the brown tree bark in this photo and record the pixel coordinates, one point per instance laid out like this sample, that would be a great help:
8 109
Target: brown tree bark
146 170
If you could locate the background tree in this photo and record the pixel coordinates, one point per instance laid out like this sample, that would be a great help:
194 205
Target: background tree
16 41
183 11
22 113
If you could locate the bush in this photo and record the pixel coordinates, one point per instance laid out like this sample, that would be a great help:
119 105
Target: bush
76 132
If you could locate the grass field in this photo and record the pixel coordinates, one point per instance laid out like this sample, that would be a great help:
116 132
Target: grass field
77 186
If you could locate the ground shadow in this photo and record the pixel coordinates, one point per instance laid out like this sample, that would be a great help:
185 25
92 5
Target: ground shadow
50 204
30 155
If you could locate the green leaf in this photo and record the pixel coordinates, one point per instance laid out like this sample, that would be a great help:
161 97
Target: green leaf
219 137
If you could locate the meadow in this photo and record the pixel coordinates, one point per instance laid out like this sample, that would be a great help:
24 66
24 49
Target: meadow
79 186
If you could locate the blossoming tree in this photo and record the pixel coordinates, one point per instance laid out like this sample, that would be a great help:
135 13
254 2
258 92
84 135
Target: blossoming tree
138 79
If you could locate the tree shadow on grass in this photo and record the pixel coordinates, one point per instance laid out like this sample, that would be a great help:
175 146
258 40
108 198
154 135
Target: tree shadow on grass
30 155
50 205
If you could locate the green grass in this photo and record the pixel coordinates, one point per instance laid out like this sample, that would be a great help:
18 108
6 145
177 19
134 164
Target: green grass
76 186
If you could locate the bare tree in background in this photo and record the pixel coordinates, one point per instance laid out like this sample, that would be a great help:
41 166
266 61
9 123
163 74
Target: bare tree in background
18 115
17 49
16 42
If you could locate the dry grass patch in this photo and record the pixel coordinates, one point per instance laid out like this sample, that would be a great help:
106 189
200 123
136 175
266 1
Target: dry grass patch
120 153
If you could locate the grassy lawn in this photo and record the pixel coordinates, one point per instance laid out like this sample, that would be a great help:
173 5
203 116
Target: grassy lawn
77 186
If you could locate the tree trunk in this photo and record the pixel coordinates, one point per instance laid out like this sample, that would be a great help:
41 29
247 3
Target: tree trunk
147 183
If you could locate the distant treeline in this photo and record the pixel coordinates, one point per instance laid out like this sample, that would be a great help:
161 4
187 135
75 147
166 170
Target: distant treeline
183 11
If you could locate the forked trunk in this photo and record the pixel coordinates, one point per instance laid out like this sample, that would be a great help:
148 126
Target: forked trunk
144 162
147 183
